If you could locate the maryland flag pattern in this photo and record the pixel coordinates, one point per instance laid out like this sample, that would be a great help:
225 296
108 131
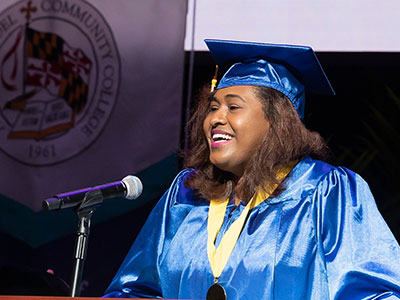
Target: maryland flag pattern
74 90
61 69
43 45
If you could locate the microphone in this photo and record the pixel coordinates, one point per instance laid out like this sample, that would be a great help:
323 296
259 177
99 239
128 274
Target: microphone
130 188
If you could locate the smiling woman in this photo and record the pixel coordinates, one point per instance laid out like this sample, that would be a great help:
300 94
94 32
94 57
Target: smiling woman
265 131
258 213
234 128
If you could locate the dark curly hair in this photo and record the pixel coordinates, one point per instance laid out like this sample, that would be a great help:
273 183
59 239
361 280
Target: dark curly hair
287 140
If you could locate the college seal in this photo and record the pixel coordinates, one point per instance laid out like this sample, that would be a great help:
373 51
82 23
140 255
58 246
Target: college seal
59 79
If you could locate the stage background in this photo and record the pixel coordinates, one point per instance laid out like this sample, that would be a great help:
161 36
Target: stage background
361 125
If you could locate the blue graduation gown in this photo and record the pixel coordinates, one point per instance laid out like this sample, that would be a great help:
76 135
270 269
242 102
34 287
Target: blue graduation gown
322 238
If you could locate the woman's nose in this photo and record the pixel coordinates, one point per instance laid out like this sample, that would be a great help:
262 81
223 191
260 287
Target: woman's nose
218 117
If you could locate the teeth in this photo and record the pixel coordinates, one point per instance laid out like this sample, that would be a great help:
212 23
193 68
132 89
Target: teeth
220 136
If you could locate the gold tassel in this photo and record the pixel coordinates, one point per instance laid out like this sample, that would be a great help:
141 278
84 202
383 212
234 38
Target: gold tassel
214 80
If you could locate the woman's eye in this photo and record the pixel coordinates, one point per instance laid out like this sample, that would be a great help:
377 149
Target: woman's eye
233 107
213 108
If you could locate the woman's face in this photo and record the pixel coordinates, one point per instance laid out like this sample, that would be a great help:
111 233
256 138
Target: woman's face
234 128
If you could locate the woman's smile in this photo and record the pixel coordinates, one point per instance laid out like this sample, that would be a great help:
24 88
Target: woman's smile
220 138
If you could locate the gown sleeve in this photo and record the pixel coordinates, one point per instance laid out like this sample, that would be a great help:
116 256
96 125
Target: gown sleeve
138 276
362 256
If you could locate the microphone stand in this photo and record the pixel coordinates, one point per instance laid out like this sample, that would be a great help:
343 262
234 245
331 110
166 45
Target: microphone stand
84 211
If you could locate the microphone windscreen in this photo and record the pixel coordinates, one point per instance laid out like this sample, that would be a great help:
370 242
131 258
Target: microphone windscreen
134 187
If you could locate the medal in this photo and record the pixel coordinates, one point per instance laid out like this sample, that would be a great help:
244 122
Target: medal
216 292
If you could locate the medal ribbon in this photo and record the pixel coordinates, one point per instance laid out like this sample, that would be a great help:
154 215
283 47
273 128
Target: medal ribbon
216 214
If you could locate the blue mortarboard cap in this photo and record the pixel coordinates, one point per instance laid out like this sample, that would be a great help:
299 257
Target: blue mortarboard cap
290 69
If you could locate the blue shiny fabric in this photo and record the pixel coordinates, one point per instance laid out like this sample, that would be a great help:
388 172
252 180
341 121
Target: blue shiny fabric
322 238
289 69
262 73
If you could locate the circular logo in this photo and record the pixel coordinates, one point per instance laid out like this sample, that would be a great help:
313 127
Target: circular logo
59 79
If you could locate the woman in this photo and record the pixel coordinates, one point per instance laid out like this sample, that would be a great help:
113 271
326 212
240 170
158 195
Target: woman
254 216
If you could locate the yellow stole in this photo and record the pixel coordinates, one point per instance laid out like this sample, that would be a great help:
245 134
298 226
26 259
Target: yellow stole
219 257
